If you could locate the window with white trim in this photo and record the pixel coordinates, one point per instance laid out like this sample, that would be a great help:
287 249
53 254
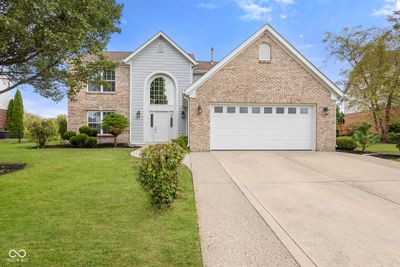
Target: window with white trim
109 77
264 52
162 91
95 119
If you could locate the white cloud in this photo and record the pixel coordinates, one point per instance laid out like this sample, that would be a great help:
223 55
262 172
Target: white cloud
208 6
45 107
262 9
388 8
254 11
301 36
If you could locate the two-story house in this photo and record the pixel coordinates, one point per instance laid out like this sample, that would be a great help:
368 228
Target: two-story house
263 95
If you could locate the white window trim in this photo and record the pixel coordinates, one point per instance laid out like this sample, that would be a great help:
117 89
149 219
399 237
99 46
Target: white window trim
102 87
260 52
101 120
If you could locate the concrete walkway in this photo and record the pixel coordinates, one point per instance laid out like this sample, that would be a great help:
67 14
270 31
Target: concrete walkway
232 232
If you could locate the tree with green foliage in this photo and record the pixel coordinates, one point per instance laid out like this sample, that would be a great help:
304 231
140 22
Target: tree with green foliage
115 124
363 136
372 72
62 125
17 119
339 116
46 43
9 114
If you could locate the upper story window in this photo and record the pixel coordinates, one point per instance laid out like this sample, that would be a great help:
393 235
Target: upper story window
162 91
264 52
109 77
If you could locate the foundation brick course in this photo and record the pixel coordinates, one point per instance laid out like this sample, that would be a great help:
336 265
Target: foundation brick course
246 80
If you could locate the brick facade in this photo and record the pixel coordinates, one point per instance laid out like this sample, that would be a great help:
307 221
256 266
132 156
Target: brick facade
3 119
246 80
117 101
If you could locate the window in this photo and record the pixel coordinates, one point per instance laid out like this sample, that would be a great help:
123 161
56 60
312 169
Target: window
303 110
109 77
255 110
264 52
95 118
292 110
231 109
243 110
218 109
268 110
280 110
162 91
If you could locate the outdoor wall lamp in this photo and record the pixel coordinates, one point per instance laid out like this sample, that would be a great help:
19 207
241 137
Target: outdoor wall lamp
199 110
326 111
138 114
183 114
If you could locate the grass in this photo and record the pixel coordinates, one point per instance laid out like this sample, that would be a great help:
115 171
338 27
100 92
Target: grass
83 207
390 149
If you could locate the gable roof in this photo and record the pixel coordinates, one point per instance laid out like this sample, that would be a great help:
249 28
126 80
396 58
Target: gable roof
169 40
204 66
191 90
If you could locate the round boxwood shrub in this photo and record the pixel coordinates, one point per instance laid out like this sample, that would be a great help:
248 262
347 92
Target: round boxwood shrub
89 131
345 143
92 142
68 134
79 140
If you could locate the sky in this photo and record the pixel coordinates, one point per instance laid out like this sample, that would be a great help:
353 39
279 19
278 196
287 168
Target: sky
198 25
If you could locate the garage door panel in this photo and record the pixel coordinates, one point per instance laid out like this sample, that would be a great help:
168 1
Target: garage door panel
262 131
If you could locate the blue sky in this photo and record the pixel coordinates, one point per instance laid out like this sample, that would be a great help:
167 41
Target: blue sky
197 25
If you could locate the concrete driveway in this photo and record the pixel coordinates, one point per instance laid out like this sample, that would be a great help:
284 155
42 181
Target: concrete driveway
332 209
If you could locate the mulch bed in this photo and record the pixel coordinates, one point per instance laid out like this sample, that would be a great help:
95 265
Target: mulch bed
7 168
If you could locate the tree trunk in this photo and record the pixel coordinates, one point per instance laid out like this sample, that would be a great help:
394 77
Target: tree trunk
388 108
115 141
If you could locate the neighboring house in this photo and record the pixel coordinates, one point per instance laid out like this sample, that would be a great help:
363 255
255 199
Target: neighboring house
263 95
4 100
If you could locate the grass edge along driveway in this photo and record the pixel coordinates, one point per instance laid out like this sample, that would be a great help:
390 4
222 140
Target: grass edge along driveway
83 207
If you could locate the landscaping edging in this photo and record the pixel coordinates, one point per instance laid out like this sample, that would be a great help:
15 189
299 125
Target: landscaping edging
377 155
11 167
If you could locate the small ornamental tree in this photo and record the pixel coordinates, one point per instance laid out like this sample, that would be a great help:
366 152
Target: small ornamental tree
363 136
115 124
40 132
62 125
9 114
17 118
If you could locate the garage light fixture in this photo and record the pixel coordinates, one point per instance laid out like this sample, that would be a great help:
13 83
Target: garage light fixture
138 114
183 114
326 111
199 110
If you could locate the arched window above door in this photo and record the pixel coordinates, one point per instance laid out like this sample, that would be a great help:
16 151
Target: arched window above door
162 91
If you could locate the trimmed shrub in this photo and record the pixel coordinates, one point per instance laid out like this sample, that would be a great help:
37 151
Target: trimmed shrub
79 140
89 131
40 132
395 139
92 142
115 124
182 141
62 125
68 134
345 143
158 173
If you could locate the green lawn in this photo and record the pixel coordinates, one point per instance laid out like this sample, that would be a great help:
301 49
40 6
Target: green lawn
83 207
383 149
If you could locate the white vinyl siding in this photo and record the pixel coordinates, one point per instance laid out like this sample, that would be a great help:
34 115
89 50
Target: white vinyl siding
145 63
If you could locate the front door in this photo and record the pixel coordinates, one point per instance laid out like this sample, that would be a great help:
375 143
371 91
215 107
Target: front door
160 125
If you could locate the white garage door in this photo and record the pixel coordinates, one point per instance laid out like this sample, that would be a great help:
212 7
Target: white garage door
262 127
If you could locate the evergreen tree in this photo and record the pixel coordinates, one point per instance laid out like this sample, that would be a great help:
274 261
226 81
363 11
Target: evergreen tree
9 114
17 122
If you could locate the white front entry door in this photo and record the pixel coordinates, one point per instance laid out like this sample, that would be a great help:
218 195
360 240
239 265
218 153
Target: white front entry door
160 126
280 127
